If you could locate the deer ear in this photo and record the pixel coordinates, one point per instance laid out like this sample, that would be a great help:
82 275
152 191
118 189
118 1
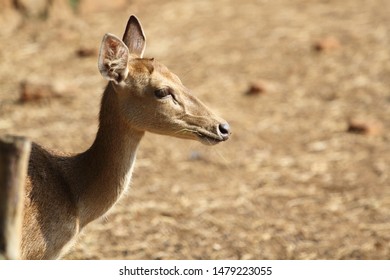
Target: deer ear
113 59
134 37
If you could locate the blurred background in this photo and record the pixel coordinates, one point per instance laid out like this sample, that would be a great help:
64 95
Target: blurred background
304 84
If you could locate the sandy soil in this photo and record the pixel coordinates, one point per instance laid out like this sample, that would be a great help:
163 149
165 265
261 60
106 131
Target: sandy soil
292 183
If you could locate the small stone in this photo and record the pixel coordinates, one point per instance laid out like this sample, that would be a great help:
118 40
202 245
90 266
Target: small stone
195 155
86 7
32 8
217 246
326 44
365 126
318 146
86 52
32 92
258 88
10 18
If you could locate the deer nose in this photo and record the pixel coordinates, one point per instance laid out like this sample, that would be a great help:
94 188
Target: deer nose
224 130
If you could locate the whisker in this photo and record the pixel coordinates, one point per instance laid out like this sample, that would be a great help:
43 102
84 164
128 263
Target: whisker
185 130
189 70
218 153
222 157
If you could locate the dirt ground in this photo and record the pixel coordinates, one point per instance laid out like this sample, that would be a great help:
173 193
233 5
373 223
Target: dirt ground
291 183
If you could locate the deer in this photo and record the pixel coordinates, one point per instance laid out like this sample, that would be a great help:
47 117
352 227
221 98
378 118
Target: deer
63 192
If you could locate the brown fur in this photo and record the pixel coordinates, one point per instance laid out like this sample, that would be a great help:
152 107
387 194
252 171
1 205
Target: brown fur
64 193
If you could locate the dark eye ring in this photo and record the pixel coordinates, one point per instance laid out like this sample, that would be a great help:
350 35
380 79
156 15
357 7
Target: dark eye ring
162 92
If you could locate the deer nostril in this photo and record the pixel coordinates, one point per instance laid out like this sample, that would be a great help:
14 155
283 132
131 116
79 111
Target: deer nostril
224 130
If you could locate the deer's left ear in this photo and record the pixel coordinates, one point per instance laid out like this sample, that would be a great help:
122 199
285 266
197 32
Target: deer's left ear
113 59
134 37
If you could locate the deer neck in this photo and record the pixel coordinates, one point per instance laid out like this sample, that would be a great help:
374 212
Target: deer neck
107 165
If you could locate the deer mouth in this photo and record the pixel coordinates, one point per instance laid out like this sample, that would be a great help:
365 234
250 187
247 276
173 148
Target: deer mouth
208 139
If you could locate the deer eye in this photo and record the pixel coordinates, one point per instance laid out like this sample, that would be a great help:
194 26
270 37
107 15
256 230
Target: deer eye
162 92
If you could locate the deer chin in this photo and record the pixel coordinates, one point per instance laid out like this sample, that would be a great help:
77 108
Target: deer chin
208 139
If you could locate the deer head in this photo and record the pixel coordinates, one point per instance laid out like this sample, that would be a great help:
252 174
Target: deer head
152 98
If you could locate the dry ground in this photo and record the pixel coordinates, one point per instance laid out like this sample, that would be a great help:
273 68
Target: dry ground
291 183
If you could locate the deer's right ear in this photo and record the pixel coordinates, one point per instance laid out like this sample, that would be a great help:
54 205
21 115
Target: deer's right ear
113 59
